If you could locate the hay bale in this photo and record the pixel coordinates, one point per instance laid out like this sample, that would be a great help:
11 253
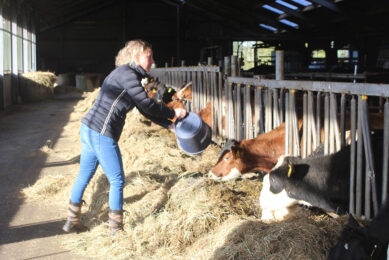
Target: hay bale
36 86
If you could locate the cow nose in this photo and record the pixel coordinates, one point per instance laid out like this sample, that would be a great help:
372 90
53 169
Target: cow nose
213 176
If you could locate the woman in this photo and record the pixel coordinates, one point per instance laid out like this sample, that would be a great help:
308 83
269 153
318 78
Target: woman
102 126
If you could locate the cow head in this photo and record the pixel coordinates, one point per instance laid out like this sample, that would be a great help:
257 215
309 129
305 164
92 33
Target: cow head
184 93
228 164
161 93
354 243
281 171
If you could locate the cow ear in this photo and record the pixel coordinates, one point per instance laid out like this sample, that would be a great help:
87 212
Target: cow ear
236 151
290 167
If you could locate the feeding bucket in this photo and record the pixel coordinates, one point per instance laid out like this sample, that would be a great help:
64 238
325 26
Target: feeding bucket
193 135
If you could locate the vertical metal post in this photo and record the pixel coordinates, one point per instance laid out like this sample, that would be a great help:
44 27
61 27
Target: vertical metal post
276 114
342 120
261 112
326 123
334 124
281 107
305 125
287 145
352 155
248 114
311 124
227 66
318 121
256 111
238 113
359 161
280 65
385 152
234 66
370 174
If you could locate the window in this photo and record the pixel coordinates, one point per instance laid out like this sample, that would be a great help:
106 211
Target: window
318 59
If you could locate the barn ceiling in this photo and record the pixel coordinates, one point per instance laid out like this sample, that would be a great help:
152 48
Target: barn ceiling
265 19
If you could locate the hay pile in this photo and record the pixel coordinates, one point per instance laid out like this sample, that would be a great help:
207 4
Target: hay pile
175 212
36 86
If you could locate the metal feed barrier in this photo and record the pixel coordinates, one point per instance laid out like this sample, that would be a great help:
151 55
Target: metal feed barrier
252 106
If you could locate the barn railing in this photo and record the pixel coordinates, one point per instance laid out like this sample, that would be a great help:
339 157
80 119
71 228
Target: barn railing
278 101
206 88
243 108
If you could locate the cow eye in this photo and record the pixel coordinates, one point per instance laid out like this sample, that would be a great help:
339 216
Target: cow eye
346 246
227 158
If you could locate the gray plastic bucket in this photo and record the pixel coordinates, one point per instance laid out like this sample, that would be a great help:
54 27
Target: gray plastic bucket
193 135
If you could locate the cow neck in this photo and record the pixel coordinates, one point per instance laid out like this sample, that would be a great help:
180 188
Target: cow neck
261 153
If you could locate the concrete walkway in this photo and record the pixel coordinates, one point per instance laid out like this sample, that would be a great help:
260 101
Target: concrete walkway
32 230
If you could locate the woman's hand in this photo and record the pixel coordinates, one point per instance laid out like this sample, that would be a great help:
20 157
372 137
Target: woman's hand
180 112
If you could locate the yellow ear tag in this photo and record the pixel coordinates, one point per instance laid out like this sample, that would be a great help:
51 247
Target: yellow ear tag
170 90
290 171
154 91
237 154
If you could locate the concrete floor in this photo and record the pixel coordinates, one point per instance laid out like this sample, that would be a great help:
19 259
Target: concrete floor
32 230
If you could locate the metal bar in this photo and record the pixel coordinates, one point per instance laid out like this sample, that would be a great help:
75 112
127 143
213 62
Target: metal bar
352 155
256 111
221 111
238 113
287 120
332 124
370 174
310 122
192 68
281 106
261 113
326 123
305 125
385 152
342 120
370 89
318 129
295 127
359 162
290 129
276 114
335 127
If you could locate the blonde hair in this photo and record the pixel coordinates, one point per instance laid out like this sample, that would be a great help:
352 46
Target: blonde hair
128 53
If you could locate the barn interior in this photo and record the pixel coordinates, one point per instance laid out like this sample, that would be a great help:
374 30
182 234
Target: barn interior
73 43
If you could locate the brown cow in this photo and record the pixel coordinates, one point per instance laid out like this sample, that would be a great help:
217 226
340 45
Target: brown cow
184 92
257 154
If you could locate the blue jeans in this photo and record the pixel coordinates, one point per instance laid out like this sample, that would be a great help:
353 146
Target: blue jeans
97 148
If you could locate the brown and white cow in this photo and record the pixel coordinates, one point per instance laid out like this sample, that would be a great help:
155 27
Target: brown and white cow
257 154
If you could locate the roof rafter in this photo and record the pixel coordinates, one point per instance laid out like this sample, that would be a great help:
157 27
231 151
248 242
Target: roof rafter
327 4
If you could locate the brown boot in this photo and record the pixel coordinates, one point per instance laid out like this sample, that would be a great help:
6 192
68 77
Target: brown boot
115 221
73 223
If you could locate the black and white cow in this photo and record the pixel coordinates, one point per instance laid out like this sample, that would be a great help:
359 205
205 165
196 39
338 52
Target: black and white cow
318 181
164 94
369 242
